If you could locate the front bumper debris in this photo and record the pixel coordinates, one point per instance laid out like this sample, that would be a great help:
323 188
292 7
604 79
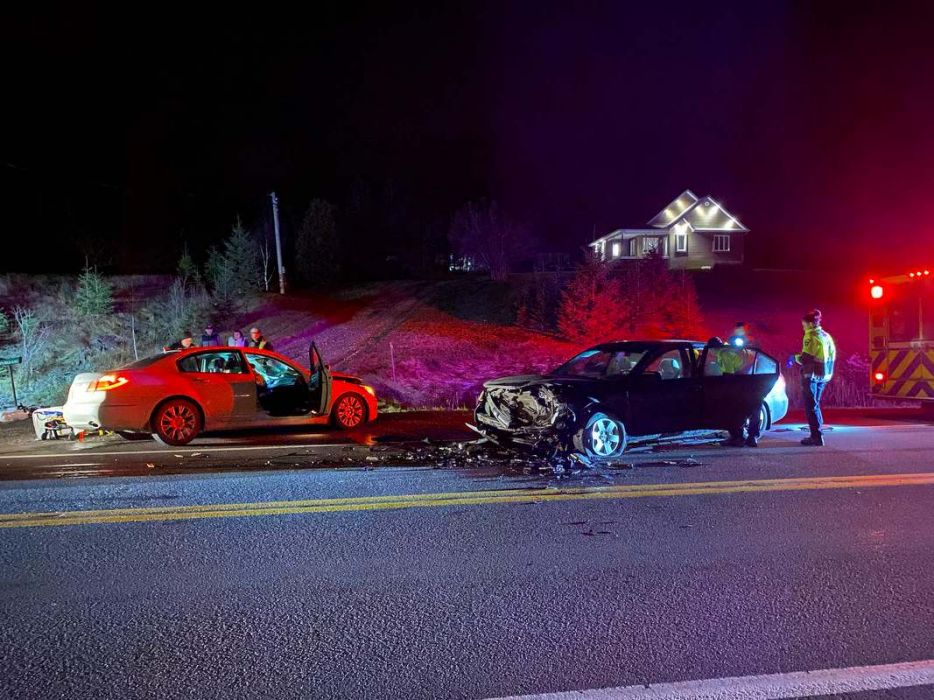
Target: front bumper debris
532 415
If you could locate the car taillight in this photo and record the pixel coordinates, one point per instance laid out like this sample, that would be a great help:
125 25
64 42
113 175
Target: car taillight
879 377
370 390
107 382
876 291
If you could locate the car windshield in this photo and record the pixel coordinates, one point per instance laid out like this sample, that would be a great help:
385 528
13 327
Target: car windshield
600 363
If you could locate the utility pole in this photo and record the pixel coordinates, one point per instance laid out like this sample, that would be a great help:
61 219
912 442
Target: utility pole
275 221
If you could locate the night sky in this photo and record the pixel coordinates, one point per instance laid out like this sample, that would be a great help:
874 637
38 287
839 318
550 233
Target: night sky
127 133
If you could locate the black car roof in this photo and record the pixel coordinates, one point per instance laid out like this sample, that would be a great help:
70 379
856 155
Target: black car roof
643 345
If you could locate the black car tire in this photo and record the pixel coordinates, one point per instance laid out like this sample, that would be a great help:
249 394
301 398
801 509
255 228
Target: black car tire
176 422
602 438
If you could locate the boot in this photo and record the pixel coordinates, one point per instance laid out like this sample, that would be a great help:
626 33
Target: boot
813 441
752 441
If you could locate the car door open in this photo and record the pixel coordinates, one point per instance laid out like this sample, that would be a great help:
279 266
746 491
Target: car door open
735 383
319 383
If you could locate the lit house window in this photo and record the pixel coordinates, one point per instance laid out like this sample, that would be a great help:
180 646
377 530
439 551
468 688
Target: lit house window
649 244
721 243
681 242
615 249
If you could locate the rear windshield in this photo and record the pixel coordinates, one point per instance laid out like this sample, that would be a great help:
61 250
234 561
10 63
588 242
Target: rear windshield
145 362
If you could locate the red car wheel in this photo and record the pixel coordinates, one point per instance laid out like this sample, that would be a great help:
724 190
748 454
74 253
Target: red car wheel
349 411
176 422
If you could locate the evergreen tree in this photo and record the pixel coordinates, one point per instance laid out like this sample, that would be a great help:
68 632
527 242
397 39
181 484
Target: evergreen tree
95 295
243 260
317 247
187 270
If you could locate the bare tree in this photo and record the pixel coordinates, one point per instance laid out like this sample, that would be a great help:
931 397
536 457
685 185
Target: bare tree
265 259
482 232
33 337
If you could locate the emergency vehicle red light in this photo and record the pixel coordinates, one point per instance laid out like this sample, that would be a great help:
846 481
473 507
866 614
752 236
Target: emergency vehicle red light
911 274
879 377
876 291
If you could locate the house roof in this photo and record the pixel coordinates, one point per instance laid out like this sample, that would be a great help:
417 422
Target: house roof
626 233
701 213
674 210
709 215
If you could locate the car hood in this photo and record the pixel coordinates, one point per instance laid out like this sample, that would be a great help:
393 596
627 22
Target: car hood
520 381
346 377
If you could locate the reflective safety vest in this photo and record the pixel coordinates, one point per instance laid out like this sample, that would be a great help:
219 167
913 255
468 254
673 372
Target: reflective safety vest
730 360
817 356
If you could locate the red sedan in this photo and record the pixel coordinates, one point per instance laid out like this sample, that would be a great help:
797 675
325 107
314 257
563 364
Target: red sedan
177 395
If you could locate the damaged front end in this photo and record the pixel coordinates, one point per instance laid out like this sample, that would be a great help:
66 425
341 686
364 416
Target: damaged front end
525 410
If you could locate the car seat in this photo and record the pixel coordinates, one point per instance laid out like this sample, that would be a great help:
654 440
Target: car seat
669 368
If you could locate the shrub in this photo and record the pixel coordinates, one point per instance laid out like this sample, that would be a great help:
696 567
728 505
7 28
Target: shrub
641 299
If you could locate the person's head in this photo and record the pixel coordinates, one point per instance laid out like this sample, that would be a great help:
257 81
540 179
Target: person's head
812 319
715 342
741 328
186 339
255 333
209 329
238 334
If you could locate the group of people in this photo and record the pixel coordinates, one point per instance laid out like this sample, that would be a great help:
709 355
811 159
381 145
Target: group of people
211 339
816 360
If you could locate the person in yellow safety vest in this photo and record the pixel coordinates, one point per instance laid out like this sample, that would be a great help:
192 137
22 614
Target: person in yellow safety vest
732 359
816 358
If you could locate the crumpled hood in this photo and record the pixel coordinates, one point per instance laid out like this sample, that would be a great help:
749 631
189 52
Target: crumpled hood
521 381
514 381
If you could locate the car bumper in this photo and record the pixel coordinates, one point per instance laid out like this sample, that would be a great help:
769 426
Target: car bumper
90 415
778 407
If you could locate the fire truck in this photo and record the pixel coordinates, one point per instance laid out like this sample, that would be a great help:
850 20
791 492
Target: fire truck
901 337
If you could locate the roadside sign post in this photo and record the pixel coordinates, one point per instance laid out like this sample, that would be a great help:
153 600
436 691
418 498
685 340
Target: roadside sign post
8 363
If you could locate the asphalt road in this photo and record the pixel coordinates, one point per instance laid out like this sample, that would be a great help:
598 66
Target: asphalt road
400 582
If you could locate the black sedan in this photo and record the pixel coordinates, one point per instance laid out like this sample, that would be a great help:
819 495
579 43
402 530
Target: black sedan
596 400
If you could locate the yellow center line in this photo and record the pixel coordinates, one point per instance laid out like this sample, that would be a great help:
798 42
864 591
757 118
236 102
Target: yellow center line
463 498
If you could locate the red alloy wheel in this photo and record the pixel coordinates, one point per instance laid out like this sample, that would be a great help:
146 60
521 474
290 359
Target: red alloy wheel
349 411
177 422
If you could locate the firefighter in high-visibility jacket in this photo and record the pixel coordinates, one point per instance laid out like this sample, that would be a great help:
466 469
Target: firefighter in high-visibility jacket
816 358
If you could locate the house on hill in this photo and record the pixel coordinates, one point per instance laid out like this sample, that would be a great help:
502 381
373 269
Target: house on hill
690 233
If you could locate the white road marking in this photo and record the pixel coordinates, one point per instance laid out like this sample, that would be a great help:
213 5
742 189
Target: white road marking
185 453
774 686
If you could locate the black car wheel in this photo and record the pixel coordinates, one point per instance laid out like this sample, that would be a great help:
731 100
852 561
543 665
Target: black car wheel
603 438
176 422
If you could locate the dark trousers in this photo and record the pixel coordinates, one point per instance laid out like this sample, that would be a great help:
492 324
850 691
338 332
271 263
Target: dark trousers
813 390
753 427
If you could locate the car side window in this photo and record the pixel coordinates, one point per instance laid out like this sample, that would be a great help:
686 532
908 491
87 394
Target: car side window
764 364
669 365
726 360
274 373
213 362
